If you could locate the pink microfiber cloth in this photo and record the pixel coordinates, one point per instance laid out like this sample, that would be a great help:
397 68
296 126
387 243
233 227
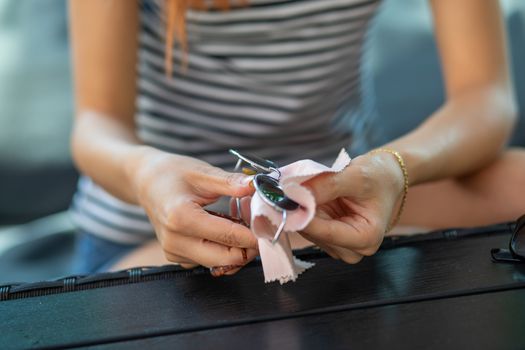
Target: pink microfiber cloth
278 262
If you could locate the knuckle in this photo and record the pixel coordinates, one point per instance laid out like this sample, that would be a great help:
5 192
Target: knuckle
364 177
232 179
176 221
234 182
218 174
171 223
229 238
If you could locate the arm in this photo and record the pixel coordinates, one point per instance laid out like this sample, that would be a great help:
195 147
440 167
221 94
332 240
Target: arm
465 134
476 120
171 188
104 46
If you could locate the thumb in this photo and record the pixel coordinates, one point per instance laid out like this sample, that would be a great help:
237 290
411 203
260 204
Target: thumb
215 181
326 187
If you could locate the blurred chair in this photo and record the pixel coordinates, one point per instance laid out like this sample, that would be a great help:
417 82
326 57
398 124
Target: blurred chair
405 84
37 178
36 174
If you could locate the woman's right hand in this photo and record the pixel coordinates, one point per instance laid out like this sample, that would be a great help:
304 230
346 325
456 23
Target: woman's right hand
173 190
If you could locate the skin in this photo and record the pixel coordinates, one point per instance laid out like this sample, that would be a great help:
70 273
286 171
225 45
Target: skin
458 170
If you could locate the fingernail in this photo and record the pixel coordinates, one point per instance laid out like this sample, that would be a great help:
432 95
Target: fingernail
218 271
248 171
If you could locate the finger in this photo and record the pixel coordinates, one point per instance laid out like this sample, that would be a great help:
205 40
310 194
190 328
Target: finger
346 232
233 271
189 266
181 261
196 222
211 254
178 259
327 249
233 208
347 255
229 270
326 187
218 271
245 208
212 181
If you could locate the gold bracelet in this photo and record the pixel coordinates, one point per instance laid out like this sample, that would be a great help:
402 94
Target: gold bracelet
403 167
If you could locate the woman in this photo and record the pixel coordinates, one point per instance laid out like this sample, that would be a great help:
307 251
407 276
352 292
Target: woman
278 78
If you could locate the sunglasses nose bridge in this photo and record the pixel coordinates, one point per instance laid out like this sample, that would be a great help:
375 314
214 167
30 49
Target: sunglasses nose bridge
267 187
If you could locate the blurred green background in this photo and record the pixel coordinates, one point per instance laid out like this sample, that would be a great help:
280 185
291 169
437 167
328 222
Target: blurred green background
37 179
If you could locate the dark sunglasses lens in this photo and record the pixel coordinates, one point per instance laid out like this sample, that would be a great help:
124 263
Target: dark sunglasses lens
255 161
288 204
269 187
265 163
517 243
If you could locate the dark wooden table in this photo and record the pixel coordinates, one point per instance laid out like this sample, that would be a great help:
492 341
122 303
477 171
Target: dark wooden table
427 295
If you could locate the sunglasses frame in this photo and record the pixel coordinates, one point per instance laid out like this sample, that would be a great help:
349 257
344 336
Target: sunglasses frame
262 174
260 165
510 255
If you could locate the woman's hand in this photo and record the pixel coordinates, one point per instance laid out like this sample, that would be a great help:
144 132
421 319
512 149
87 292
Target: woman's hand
173 189
355 206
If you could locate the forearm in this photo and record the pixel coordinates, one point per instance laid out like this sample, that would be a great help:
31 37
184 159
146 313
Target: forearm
107 151
462 136
476 120
104 52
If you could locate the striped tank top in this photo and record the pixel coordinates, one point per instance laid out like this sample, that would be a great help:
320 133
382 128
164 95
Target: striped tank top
279 78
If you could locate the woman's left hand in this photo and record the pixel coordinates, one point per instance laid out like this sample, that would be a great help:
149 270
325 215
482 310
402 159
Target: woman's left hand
355 206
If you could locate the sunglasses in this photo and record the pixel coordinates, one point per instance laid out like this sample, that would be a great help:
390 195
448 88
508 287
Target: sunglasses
266 186
516 251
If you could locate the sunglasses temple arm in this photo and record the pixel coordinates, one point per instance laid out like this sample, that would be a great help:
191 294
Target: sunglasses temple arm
238 200
280 229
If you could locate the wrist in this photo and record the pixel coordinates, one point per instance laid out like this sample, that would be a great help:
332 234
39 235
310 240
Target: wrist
418 162
137 163
388 167
401 199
